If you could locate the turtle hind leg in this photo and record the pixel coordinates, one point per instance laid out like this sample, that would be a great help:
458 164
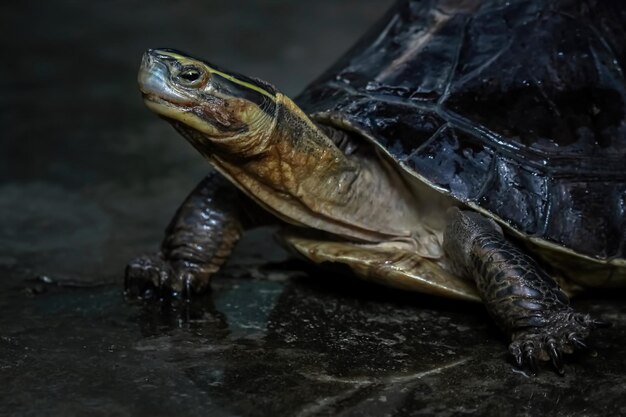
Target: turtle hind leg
524 300
197 242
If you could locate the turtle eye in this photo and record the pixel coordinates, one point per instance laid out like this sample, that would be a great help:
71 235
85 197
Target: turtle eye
190 76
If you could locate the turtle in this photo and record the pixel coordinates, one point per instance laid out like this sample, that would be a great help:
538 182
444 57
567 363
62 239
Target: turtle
466 149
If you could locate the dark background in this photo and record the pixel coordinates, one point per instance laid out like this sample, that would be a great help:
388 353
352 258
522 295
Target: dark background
89 179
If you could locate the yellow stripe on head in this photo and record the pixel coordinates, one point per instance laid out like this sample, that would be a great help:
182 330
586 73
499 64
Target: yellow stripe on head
185 60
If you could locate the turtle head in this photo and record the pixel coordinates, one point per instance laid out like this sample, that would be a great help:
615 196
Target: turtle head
214 109
266 145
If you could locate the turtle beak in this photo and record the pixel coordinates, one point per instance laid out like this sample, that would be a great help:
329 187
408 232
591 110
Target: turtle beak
151 73
155 78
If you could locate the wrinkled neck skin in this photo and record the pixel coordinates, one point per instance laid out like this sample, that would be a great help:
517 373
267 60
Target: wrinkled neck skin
290 167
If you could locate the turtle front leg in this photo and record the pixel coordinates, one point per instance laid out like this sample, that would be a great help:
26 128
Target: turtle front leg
197 242
524 300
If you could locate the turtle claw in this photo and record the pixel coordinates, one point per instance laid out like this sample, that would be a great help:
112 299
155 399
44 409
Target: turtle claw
144 276
516 352
529 357
555 357
577 343
563 332
153 277
600 324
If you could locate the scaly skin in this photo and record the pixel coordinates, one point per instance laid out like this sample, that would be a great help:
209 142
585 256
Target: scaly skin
197 242
525 301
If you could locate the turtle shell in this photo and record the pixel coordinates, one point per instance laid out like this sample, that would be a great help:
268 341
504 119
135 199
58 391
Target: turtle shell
516 108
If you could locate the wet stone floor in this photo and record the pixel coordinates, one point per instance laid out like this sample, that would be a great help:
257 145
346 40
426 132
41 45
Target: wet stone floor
89 179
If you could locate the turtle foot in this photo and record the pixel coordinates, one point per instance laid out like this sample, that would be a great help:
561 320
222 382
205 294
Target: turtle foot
563 332
152 276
